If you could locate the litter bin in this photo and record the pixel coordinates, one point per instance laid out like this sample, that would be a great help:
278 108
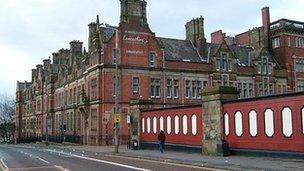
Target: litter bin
223 148
134 145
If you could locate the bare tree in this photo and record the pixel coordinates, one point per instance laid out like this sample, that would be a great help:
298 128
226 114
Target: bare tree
7 114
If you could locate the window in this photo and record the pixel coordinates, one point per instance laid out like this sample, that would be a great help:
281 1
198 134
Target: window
78 119
93 119
264 87
264 65
148 125
299 41
152 56
276 42
299 65
224 63
185 124
67 121
94 88
253 124
270 89
287 121
154 125
135 84
250 90
161 123
143 125
300 85
196 89
175 88
187 89
176 124
288 41
169 88
155 88
238 123
218 64
72 121
226 120
169 124
268 120
225 79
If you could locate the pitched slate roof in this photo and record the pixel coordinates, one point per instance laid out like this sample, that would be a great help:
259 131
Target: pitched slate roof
240 52
179 50
108 32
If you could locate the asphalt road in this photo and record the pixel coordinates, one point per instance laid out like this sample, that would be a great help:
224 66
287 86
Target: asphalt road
34 158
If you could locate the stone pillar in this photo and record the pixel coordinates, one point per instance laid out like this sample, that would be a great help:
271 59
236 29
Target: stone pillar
136 106
213 132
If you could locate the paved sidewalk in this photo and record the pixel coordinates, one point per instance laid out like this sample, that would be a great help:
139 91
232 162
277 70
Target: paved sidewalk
230 162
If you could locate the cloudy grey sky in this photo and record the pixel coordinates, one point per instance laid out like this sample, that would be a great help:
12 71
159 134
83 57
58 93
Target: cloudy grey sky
30 30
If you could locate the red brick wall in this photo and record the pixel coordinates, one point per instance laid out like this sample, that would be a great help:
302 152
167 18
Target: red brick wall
171 136
242 39
217 37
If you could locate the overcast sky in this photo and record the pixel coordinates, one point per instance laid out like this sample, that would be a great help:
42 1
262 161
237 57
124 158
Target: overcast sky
30 30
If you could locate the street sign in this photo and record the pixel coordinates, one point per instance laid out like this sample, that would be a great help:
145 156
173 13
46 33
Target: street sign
117 118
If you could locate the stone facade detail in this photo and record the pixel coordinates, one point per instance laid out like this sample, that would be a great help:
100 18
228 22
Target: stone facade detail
213 117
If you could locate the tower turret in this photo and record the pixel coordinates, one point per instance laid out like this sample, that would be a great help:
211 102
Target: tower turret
133 11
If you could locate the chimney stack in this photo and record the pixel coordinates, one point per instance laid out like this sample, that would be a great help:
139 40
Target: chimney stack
266 24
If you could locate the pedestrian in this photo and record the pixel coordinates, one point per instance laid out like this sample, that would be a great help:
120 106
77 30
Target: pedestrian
161 139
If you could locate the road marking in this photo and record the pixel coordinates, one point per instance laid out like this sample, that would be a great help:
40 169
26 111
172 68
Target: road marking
43 160
61 168
167 162
38 168
107 162
3 165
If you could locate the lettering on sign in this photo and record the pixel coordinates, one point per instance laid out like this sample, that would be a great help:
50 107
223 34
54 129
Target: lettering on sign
135 52
135 39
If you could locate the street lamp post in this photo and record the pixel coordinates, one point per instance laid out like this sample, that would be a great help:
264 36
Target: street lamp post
116 88
116 133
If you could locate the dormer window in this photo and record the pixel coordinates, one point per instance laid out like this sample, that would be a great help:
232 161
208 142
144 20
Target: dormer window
223 63
265 67
152 56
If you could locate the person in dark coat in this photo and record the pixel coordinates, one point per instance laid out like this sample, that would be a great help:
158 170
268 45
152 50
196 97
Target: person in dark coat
161 139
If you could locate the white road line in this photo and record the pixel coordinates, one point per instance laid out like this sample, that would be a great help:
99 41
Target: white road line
3 165
108 162
43 160
112 163
61 168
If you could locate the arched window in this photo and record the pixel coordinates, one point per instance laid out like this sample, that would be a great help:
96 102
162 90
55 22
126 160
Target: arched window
169 124
287 121
253 124
176 124
143 125
148 125
269 123
161 123
185 124
154 125
226 118
238 123
194 124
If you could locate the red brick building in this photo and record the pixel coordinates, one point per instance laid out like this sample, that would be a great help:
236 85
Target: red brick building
73 94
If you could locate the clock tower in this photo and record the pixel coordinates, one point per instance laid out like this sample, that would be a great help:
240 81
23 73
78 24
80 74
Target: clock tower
133 11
